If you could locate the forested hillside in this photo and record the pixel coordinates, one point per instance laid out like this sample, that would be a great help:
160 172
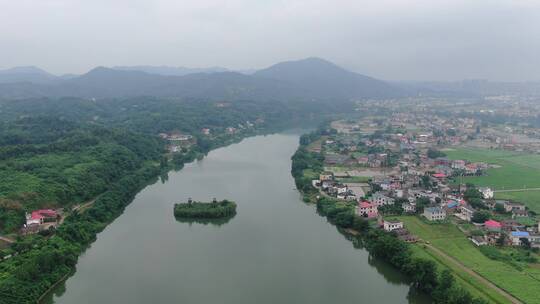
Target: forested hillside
61 152
153 115
52 162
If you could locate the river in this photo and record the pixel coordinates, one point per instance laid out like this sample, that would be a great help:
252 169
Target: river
276 249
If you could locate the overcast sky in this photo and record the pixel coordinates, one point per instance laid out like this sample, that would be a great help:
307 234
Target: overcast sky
389 39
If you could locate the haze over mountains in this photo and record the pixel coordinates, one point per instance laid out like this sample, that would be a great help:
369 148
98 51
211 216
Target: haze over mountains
170 71
26 74
310 78
306 79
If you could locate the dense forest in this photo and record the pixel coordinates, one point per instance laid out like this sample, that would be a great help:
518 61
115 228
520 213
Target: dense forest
152 115
61 152
51 162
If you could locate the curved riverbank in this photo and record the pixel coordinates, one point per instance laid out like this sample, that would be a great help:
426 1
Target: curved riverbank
145 256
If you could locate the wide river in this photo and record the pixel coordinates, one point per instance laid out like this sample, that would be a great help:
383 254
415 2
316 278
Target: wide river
276 250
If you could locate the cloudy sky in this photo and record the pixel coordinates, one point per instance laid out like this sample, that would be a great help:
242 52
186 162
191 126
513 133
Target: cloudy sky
389 39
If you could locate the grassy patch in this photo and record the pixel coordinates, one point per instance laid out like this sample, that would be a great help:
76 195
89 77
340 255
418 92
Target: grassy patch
475 287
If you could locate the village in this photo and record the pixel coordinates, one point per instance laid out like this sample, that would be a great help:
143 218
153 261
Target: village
398 167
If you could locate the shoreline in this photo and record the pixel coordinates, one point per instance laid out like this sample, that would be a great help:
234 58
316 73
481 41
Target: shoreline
308 160
232 140
53 286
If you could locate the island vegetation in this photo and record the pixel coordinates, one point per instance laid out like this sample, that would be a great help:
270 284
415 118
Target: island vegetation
205 210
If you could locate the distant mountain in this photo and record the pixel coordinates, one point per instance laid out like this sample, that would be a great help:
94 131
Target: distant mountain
327 80
309 79
170 71
26 74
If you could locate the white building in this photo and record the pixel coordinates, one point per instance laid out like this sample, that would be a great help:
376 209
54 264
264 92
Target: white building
409 207
380 199
466 213
487 192
392 225
434 213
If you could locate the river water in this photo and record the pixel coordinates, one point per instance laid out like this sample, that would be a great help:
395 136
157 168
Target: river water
276 249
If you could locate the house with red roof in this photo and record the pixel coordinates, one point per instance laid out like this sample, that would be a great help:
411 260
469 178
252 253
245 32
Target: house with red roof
40 216
367 209
492 225
439 175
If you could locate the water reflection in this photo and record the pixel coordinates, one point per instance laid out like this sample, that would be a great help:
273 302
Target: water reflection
212 222
277 251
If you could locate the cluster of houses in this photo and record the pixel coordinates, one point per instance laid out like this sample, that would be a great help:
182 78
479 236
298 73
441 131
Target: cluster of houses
411 173
507 232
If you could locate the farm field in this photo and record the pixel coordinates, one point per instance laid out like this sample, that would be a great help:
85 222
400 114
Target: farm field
470 283
530 198
516 171
523 284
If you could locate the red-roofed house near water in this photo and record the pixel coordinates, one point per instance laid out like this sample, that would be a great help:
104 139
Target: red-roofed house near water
367 209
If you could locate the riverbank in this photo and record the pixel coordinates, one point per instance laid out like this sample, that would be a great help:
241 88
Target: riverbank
80 229
423 272
263 246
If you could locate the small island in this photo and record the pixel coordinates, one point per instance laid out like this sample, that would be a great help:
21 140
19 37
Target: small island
205 210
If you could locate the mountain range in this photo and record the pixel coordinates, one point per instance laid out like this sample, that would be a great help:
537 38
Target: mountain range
311 78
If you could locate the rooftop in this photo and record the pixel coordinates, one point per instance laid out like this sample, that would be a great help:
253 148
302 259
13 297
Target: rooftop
520 233
492 224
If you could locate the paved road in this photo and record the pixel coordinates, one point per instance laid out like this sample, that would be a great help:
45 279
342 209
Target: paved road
476 275
517 190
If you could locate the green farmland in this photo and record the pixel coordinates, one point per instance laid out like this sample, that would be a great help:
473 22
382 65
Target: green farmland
516 171
521 283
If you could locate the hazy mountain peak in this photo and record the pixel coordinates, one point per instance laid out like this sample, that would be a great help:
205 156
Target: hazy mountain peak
169 70
25 70
326 79
30 74
309 79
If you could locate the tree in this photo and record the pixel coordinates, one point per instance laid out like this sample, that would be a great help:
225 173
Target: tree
501 240
525 243
471 193
446 282
480 216
432 153
163 162
421 203
360 224
423 273
425 181
477 203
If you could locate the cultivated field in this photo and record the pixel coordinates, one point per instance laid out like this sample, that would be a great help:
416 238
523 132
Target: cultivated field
522 283
516 171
